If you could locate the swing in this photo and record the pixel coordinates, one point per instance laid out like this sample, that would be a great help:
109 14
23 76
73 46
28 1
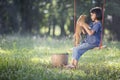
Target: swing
101 46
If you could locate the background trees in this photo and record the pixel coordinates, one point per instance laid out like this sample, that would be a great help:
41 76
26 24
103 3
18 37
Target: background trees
53 17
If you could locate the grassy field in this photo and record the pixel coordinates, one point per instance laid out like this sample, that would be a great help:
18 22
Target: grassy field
29 58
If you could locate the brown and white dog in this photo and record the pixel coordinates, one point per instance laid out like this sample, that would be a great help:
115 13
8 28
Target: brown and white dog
79 30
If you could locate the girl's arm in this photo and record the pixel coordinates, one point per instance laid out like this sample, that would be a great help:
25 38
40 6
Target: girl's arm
86 27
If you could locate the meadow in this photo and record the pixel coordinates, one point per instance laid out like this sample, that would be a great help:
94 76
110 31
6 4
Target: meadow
29 58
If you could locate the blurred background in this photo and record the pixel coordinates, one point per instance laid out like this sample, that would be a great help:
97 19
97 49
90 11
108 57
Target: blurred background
54 18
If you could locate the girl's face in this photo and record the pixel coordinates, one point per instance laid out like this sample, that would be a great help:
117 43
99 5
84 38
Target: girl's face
93 16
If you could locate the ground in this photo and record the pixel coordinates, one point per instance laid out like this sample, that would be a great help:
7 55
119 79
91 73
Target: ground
29 58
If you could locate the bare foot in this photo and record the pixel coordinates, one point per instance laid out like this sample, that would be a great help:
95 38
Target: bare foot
70 66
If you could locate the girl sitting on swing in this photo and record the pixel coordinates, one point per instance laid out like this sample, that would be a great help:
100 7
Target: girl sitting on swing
92 39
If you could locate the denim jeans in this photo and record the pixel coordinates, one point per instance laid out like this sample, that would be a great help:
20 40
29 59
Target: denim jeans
81 49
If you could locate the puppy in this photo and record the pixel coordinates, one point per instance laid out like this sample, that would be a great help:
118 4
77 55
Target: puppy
79 30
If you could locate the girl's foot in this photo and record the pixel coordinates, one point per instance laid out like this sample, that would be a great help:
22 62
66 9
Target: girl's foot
70 66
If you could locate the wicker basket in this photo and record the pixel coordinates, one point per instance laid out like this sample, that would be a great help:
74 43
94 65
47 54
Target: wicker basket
59 60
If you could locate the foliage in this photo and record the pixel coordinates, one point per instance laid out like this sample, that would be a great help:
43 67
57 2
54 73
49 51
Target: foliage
42 17
29 58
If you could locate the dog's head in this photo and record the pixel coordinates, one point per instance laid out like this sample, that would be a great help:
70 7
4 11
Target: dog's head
82 18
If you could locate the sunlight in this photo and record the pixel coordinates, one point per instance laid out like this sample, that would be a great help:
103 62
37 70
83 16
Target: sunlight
40 60
112 63
4 51
35 60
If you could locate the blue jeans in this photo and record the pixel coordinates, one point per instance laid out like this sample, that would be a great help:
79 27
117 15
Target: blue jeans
81 49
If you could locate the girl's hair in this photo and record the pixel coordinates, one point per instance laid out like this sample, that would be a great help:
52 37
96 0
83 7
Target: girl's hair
98 12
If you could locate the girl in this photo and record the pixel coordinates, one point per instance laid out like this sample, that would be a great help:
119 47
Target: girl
92 39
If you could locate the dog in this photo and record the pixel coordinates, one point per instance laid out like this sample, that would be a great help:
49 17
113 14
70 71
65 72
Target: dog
79 30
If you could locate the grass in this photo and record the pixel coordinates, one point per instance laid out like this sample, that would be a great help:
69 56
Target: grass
29 58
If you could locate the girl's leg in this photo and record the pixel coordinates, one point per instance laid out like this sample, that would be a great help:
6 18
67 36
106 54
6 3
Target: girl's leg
74 62
75 58
79 51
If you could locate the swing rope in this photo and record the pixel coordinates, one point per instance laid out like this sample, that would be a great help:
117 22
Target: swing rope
101 41
74 16
103 8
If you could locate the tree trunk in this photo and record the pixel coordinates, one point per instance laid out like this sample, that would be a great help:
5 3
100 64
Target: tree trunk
62 27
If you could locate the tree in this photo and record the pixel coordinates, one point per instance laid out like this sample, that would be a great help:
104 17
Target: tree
112 18
30 16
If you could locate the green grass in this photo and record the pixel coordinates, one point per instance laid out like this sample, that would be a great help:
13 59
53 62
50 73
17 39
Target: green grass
29 58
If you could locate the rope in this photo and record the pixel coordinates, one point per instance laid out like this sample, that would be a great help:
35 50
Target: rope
74 15
101 42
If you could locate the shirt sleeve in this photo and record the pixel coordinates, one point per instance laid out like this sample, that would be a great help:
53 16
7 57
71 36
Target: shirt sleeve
96 27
